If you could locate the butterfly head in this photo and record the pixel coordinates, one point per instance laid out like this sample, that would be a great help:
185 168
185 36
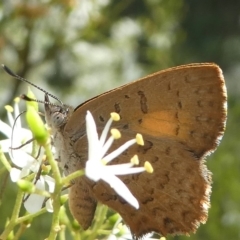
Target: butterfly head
56 115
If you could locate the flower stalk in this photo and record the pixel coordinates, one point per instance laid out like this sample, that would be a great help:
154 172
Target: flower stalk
15 214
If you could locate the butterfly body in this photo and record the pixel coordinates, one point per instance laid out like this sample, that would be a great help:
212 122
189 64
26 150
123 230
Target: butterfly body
181 113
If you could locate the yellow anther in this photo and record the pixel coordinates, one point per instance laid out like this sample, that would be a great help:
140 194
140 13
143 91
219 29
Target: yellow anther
148 167
103 161
134 160
17 100
139 139
9 108
115 116
115 133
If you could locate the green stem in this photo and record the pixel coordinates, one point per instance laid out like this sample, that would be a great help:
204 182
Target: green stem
54 165
77 235
4 160
72 176
30 216
14 217
99 219
62 233
35 148
2 170
55 228
20 231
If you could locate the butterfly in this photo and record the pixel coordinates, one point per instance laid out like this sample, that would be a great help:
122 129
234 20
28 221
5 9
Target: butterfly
181 114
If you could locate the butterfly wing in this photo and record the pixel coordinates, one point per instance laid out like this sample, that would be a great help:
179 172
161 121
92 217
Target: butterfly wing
181 113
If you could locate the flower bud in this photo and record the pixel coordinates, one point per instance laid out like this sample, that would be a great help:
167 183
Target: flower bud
75 225
36 125
63 198
32 103
26 186
45 169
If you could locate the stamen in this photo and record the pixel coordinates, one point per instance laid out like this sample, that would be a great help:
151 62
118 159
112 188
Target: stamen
105 131
115 116
120 150
9 108
139 139
115 133
17 100
9 114
106 146
134 160
17 113
148 167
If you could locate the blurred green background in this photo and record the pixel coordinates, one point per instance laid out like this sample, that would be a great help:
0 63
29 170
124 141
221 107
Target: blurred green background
77 49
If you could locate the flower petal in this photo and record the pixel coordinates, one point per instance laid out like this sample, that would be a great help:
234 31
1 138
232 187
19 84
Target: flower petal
25 171
10 118
49 205
5 129
20 136
123 169
94 170
121 189
51 183
16 115
15 174
21 158
34 202
92 135
5 144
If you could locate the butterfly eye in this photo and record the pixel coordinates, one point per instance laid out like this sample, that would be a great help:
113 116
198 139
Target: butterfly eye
58 119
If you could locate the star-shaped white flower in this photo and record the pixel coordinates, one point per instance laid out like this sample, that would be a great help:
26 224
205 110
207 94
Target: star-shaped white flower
22 159
96 166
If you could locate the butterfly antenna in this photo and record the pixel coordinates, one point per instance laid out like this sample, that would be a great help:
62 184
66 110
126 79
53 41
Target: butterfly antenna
11 73
26 98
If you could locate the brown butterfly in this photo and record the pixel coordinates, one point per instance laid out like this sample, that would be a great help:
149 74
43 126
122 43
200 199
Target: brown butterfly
181 113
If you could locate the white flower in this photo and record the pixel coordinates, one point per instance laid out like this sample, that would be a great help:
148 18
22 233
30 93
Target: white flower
96 167
17 136
34 201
